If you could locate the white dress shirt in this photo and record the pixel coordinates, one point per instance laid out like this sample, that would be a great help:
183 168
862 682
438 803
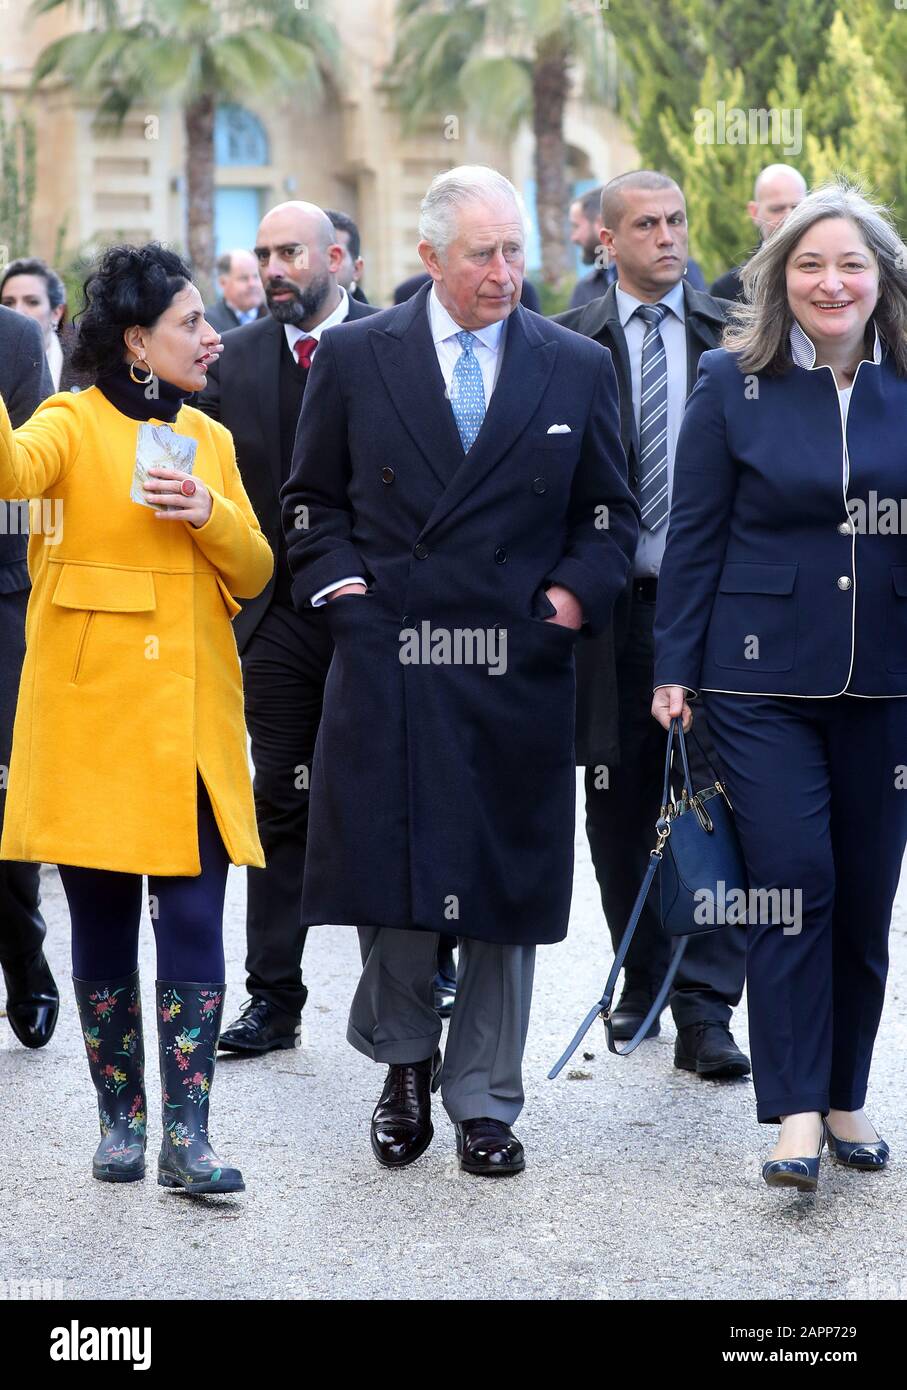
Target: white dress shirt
338 315
803 351
487 348
651 544
55 360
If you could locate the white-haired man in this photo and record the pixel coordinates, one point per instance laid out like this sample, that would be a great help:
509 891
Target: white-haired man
242 294
458 502
777 191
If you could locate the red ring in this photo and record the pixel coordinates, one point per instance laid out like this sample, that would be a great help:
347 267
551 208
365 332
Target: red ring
187 487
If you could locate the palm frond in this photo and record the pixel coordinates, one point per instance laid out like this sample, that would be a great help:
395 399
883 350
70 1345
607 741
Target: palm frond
498 93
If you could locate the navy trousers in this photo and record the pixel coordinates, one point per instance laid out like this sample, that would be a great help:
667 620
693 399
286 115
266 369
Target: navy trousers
818 791
187 914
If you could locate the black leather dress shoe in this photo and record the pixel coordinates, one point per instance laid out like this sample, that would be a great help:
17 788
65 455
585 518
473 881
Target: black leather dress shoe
32 1002
261 1027
709 1050
632 1007
401 1125
489 1147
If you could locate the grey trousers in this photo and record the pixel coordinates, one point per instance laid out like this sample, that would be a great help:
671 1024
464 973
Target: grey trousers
392 1018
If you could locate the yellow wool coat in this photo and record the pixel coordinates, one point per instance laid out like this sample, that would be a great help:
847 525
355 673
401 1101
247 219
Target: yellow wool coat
131 678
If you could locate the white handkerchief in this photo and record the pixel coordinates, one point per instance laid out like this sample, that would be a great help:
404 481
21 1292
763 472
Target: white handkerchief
559 429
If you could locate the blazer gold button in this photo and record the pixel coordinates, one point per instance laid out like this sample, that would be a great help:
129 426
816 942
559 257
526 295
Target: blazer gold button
539 486
387 475
421 551
500 555
844 582
846 528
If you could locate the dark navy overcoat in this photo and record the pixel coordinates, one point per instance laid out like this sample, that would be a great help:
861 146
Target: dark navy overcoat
785 570
442 795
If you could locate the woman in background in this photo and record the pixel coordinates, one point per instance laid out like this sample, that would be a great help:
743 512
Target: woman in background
30 287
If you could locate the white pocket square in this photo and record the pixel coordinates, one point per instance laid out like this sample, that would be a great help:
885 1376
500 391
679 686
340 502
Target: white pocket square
559 429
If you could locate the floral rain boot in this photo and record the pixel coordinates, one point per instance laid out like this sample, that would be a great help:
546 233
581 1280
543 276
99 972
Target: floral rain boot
188 1024
111 1015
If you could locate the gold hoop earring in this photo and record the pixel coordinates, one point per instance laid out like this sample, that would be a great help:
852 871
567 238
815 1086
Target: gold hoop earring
139 381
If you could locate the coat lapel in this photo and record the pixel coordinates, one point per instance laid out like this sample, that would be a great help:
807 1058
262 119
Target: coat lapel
408 363
601 321
526 366
267 367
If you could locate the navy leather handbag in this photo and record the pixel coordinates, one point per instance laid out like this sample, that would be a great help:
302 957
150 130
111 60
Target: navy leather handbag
699 855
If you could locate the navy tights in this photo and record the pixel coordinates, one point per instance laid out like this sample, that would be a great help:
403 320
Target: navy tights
187 915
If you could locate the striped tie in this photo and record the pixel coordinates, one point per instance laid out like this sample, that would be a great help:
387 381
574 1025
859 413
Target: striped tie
652 489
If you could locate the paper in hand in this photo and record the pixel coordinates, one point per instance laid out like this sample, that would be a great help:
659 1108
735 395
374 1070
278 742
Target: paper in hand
158 446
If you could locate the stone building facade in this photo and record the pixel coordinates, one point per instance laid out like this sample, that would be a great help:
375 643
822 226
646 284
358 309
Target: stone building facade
350 154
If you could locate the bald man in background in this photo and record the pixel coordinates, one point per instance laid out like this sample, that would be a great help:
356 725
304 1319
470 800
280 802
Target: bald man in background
256 391
242 294
778 190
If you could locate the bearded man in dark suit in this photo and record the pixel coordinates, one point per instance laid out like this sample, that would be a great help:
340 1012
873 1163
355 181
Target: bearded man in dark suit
256 389
32 999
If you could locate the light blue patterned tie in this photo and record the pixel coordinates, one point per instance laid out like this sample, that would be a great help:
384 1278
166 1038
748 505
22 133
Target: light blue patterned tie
652 488
467 392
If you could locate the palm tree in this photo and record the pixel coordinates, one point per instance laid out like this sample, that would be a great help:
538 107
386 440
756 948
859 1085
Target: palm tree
196 53
503 62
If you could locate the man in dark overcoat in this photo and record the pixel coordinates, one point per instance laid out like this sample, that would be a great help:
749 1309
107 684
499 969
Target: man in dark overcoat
32 999
458 502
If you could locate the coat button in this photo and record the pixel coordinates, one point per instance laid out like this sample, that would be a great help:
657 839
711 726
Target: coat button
634 479
539 486
421 551
500 555
845 529
387 475
845 582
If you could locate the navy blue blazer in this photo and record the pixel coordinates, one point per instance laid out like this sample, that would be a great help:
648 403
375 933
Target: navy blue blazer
767 585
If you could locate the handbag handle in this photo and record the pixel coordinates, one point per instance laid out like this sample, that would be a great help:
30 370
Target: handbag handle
676 731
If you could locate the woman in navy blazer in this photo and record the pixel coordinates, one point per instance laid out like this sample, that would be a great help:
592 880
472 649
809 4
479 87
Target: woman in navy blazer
783 603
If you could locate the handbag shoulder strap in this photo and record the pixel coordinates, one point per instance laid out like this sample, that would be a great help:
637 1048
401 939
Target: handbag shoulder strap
603 1007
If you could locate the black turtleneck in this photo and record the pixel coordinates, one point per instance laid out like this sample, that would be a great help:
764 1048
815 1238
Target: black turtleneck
130 399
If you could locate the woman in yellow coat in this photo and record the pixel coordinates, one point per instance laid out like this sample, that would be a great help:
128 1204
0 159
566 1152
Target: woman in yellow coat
129 750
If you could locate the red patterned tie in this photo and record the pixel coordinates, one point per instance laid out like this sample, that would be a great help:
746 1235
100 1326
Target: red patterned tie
305 349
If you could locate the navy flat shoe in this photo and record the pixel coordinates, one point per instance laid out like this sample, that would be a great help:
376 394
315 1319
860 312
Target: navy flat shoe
801 1173
868 1157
